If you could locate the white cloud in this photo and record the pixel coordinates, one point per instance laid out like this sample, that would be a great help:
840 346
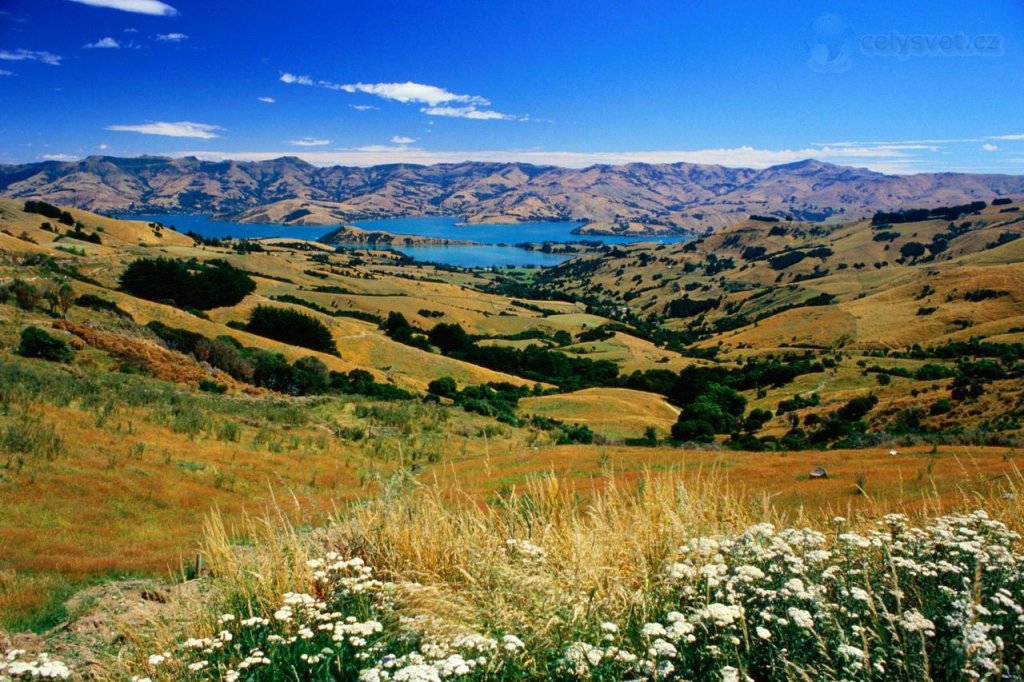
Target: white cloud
309 142
412 92
266 100
202 131
292 78
172 37
1005 137
104 43
989 147
152 7
30 55
364 107
401 139
60 157
470 112
104 147
409 93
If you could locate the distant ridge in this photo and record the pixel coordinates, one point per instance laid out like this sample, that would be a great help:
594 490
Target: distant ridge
679 195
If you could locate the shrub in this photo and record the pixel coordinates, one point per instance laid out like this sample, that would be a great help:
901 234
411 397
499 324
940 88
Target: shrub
361 382
933 372
688 307
292 327
444 387
25 295
212 387
912 250
36 343
857 408
782 261
450 338
576 433
753 253
984 294
194 285
42 208
311 375
693 430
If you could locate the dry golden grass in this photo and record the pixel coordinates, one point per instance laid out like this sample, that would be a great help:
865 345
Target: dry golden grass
113 232
448 555
614 412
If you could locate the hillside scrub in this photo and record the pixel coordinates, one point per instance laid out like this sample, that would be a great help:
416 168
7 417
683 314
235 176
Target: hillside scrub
293 327
534 362
36 343
201 286
666 581
266 369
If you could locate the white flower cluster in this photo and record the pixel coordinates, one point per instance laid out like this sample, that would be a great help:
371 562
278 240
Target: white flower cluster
14 665
465 656
895 602
306 633
337 631
890 603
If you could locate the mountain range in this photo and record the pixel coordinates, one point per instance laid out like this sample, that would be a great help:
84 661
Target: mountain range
672 197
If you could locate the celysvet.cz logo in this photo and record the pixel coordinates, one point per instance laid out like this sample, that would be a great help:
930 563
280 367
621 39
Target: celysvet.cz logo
910 45
833 46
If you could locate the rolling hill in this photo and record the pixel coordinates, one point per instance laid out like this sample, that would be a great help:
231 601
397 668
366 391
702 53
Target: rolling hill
679 196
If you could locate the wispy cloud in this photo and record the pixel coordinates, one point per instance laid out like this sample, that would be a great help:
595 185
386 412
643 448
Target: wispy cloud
412 92
5 72
266 100
309 142
21 55
471 112
1006 137
202 131
151 7
302 80
402 139
171 37
104 43
364 107
399 92
60 157
438 100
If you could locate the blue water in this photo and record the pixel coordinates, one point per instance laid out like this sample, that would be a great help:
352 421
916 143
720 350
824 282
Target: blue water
493 249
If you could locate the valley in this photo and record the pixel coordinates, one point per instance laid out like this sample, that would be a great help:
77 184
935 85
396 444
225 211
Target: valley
749 356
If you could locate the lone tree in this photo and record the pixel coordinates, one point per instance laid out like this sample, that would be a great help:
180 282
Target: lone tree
912 250
443 386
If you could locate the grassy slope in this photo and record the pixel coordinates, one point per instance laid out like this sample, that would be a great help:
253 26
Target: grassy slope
146 474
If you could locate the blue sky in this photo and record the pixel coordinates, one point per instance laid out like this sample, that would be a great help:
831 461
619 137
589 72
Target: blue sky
894 86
